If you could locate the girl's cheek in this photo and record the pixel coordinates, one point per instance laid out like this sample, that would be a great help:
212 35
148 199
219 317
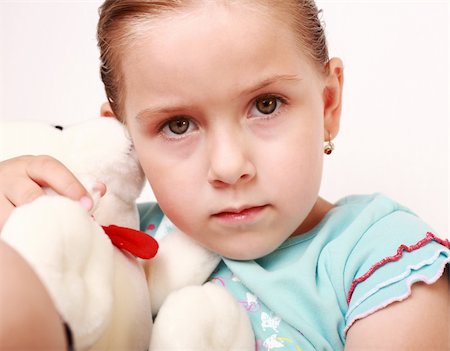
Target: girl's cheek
155 136
178 151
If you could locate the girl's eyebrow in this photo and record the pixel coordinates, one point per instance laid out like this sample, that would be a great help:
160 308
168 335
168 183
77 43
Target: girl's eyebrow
173 109
169 109
269 81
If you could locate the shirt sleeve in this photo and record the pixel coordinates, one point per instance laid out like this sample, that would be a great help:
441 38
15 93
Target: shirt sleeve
394 253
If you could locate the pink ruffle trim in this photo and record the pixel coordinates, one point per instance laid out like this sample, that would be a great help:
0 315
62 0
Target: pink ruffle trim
402 248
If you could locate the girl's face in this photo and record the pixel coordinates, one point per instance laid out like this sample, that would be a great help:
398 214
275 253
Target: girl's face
227 116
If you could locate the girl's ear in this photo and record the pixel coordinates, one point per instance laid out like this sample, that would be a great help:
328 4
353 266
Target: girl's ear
106 111
332 97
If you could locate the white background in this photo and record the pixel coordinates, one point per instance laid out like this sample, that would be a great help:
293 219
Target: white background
395 130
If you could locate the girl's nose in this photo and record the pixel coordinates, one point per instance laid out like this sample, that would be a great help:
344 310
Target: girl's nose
229 161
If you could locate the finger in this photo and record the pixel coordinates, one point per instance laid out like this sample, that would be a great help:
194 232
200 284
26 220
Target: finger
6 207
49 172
22 191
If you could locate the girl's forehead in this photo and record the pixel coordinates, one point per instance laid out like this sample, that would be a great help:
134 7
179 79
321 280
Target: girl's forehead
127 33
210 57
207 29
212 14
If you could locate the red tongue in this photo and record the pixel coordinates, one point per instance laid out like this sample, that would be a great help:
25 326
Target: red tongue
134 241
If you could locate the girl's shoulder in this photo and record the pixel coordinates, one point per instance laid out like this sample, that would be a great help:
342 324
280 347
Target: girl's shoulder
373 220
358 224
385 248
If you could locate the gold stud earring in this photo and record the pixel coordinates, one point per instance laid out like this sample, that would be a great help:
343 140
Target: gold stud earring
329 146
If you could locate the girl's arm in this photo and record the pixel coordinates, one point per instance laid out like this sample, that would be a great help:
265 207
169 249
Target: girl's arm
421 322
28 318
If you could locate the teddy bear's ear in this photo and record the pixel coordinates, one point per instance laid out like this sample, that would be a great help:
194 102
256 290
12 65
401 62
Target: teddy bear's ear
106 110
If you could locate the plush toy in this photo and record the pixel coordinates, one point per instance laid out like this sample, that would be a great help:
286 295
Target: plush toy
88 261
191 316
99 290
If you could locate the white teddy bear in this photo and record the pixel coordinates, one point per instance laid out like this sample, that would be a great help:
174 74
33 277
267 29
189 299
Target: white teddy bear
105 294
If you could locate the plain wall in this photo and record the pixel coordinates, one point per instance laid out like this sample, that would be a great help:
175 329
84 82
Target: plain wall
394 133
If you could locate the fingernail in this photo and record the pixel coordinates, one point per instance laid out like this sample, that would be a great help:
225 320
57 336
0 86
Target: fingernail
100 188
86 203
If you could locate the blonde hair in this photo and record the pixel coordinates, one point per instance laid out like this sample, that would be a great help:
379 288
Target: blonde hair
119 20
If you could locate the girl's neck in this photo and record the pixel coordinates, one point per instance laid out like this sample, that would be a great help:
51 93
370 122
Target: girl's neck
319 210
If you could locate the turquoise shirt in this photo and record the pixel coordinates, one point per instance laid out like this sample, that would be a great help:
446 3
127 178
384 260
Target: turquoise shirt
365 254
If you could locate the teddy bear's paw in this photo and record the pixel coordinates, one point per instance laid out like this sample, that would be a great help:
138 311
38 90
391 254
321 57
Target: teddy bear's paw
192 266
202 318
73 258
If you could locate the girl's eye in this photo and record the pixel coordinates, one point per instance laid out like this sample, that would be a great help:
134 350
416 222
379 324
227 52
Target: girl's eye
266 105
178 126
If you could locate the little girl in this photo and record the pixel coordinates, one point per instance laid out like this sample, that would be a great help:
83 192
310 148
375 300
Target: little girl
231 106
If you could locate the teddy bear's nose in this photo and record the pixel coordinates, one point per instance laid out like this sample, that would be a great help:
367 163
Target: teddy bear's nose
59 127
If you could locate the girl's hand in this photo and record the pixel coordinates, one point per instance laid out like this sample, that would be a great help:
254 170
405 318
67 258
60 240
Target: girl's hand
22 180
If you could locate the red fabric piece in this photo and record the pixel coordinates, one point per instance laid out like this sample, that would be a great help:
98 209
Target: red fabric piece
402 248
134 241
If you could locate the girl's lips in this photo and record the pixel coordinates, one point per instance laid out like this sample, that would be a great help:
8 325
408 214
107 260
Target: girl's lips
239 216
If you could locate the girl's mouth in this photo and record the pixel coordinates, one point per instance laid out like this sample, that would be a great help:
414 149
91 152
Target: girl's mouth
246 214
